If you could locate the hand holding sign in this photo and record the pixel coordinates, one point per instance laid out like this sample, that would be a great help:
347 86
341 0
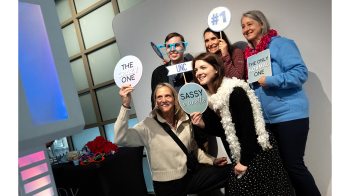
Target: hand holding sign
128 71
193 98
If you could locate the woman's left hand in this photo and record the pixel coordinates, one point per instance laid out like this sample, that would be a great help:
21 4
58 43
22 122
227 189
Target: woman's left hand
125 94
240 169
196 119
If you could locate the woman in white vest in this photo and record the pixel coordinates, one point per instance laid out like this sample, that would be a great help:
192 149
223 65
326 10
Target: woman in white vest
235 111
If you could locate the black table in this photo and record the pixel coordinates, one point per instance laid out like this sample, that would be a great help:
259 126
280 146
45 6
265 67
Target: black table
120 174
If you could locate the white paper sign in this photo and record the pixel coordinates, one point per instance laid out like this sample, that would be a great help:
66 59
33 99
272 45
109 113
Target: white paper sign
128 71
219 18
179 68
259 65
193 98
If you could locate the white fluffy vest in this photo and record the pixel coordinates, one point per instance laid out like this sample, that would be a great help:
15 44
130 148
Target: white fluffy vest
220 102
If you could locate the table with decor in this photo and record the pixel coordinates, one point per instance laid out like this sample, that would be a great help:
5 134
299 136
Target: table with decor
116 171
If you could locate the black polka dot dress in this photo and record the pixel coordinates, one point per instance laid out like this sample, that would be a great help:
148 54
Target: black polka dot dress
265 176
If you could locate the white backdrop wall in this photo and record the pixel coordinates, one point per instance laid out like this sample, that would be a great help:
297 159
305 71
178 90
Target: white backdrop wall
308 23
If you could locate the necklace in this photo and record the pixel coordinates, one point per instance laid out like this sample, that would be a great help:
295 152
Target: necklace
262 45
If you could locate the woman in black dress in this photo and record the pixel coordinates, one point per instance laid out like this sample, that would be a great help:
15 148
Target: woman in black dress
234 111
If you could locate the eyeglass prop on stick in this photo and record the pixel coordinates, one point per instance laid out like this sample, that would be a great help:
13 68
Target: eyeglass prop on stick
158 52
162 51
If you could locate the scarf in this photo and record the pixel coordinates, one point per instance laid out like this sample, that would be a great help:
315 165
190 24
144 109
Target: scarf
220 102
262 45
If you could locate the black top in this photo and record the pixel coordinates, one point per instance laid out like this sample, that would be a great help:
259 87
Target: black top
160 74
242 117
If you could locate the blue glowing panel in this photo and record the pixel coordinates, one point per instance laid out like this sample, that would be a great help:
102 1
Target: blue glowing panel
37 68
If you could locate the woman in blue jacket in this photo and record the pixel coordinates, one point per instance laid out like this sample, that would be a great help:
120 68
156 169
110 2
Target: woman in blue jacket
284 102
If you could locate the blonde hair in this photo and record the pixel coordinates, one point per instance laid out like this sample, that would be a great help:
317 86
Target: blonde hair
178 111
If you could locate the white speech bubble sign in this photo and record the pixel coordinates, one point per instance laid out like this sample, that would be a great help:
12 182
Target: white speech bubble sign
193 98
128 71
219 18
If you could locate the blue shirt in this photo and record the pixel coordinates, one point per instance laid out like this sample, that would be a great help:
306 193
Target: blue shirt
284 98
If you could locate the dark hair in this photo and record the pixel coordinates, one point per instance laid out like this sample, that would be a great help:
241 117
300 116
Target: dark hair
174 34
215 61
217 34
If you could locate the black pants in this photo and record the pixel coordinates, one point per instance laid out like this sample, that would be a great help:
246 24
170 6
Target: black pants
205 179
291 137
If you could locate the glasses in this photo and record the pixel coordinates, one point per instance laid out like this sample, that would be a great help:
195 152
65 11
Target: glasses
91 158
178 47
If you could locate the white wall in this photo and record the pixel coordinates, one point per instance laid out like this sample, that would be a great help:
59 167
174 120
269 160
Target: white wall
306 22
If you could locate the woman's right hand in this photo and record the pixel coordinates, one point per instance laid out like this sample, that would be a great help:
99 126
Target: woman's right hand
223 47
125 94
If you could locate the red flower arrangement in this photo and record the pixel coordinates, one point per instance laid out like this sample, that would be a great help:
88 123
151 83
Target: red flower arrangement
101 145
